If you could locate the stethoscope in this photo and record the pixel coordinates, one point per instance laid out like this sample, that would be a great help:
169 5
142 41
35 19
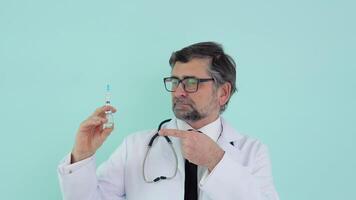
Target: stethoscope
172 148
148 151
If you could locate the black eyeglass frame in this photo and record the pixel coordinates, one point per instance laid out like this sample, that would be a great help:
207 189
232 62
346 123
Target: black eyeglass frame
199 80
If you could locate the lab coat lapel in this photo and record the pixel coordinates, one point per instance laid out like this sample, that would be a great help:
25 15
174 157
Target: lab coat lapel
228 136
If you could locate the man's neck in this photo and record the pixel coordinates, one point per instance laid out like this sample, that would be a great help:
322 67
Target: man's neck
202 122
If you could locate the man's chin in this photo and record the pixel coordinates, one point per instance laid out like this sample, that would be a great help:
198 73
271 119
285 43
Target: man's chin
186 115
180 113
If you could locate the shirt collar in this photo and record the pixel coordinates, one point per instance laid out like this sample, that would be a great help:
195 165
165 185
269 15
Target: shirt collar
212 130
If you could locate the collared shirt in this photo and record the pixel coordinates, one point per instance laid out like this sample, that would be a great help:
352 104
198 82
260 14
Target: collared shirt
213 130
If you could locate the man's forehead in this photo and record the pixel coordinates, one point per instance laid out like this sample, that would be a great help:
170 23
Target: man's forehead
195 67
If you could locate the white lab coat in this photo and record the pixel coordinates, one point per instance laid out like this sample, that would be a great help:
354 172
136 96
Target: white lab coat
244 173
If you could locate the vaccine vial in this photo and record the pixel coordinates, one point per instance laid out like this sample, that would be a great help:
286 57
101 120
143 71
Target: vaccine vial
108 114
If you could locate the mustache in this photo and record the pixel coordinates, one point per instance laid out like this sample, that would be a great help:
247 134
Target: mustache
182 101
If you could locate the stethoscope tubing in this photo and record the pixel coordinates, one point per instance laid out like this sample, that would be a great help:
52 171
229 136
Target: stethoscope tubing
149 146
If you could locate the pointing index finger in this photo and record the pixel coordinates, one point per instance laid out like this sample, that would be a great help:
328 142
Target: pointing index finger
173 133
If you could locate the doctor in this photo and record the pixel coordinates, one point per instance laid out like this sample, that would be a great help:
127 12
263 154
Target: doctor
206 159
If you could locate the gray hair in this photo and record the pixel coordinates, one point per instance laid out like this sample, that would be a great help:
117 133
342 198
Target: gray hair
222 67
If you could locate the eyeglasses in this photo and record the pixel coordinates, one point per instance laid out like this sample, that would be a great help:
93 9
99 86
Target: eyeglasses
190 84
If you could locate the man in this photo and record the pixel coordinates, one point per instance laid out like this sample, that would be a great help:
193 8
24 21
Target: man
205 158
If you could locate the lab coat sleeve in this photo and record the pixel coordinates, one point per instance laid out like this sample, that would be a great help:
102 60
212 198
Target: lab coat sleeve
80 181
230 180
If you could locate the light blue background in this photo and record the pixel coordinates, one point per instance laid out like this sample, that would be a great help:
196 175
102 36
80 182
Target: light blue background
296 75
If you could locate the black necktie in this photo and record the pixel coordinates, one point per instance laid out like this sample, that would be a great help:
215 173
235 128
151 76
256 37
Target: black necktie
191 181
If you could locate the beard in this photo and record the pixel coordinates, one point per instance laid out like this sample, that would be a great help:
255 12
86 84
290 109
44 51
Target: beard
185 109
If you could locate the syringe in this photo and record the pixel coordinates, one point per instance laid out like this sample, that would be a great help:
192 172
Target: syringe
109 114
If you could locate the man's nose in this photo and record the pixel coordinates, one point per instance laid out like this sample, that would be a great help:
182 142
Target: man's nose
180 91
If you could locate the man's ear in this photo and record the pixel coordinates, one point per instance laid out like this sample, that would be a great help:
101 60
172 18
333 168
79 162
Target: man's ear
224 93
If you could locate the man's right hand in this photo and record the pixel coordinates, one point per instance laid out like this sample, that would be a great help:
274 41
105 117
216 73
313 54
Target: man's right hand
91 134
